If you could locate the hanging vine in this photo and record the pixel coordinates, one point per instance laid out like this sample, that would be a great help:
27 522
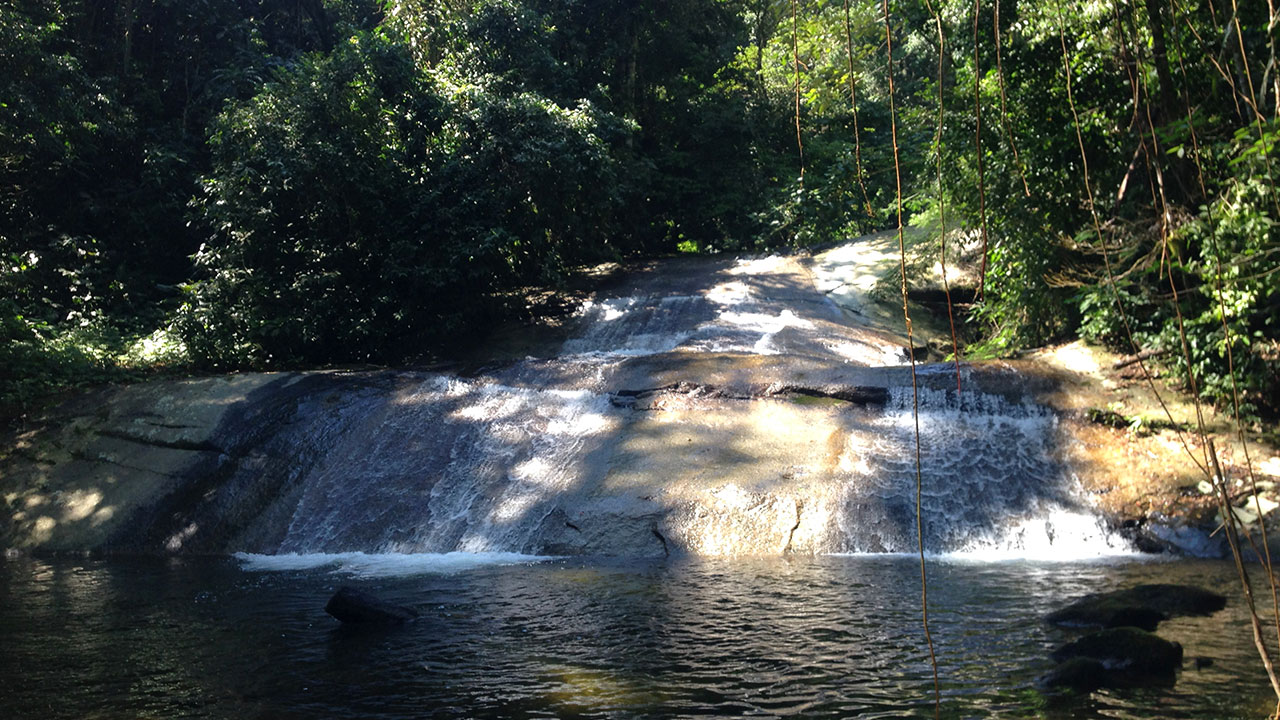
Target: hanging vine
1217 479
853 103
795 64
1210 469
977 141
1252 99
1265 557
915 390
942 201
1106 256
1004 110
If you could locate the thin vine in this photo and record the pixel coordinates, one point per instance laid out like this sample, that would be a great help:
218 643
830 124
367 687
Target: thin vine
977 140
853 103
1004 110
942 202
1229 338
915 390
1217 479
1106 256
1257 111
1215 474
795 64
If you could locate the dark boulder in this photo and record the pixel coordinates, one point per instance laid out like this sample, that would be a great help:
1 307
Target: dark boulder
1123 657
1085 675
1143 618
1176 600
1125 648
1078 673
1142 606
1107 615
354 606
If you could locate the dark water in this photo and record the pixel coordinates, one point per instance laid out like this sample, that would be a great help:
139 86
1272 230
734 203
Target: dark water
809 637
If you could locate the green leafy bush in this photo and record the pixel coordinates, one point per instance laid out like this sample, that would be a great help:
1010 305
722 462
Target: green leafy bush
364 208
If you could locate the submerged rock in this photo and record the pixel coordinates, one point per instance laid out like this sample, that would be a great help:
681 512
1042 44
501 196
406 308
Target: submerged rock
1126 648
1116 657
1105 614
1142 606
354 606
1084 675
1079 674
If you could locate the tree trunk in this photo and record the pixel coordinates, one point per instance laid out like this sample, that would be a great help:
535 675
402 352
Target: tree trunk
1155 24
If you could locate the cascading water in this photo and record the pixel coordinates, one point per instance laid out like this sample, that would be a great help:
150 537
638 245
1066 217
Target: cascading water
991 482
451 465
711 419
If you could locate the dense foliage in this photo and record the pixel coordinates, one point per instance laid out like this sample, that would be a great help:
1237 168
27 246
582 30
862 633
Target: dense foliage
228 183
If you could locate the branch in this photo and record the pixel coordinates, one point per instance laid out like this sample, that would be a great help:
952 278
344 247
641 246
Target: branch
1144 355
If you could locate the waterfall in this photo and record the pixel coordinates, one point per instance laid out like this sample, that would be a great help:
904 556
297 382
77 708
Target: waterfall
992 482
446 464
715 416
451 464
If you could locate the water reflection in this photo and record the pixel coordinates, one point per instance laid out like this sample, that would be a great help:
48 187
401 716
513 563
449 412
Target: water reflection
806 637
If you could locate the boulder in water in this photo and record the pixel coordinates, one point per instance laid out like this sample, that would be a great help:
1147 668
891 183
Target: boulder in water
1142 606
354 606
1104 615
1131 658
1079 673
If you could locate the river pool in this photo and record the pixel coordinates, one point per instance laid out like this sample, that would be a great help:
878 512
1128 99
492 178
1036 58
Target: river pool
504 637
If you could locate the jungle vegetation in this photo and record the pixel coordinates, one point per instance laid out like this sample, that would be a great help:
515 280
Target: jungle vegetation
218 184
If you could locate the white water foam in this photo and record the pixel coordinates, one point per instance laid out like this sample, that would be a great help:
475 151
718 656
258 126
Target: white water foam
993 486
1061 535
634 326
760 265
384 564
869 354
991 558
455 465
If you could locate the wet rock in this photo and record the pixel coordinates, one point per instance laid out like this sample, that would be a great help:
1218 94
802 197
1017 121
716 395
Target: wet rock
1104 613
1087 674
1131 655
1078 673
1175 536
1178 599
1142 606
354 606
1143 618
1115 658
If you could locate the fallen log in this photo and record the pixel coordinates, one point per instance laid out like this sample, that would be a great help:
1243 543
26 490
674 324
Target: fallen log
1144 355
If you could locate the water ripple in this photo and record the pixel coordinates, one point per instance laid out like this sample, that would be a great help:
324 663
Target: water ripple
813 637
